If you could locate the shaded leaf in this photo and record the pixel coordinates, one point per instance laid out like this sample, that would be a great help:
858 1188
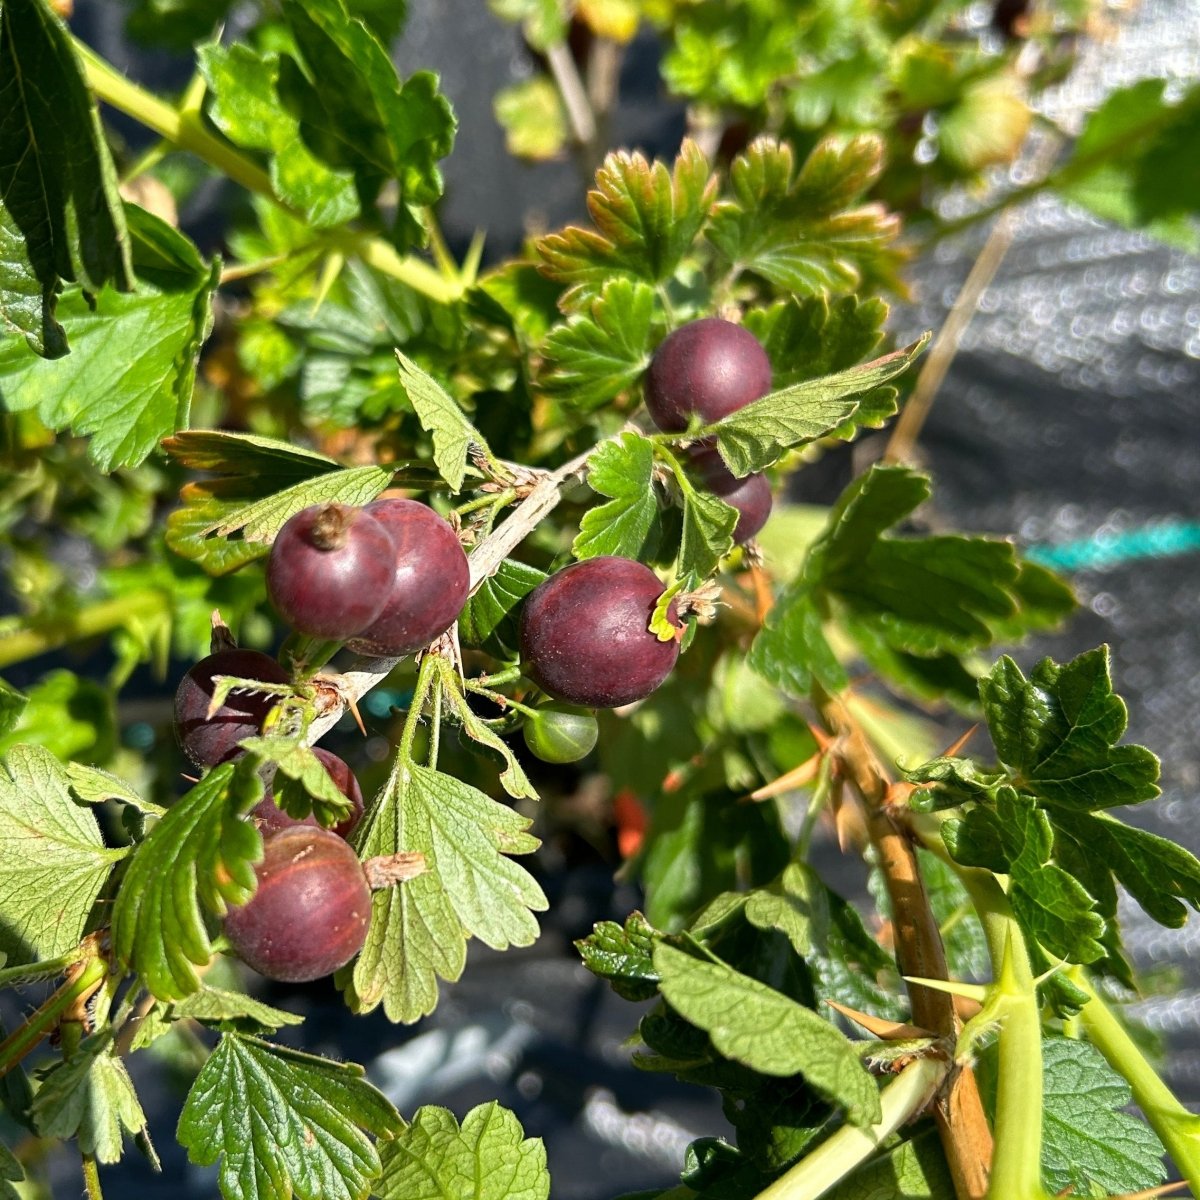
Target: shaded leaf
61 219
622 955
487 620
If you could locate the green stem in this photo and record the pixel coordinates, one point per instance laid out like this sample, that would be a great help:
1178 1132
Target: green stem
425 678
836 1157
499 679
435 720
98 618
182 128
1178 1128
1013 1001
91 1178
44 1019
498 501
498 698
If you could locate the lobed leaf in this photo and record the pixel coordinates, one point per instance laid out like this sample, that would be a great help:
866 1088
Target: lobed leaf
623 955
624 471
646 219
1087 1139
128 382
53 861
246 107
302 786
200 853
470 889
596 356
766 1030
284 1123
489 1158
453 435
61 218
216 1007
90 1097
1057 733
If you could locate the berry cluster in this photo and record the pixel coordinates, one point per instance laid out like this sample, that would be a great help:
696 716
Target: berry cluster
389 578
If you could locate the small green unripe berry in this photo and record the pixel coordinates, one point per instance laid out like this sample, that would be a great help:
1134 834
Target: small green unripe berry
561 735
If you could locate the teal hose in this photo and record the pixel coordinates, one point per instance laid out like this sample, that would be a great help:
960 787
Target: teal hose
1165 540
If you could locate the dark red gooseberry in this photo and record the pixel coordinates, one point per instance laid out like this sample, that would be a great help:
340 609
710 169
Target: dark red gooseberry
329 570
429 582
751 496
585 636
207 742
271 818
710 368
310 913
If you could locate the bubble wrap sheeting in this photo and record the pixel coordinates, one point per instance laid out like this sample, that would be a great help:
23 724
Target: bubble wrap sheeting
1070 412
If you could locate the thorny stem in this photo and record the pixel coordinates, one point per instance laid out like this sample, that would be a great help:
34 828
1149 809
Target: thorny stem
1178 1128
183 129
962 1125
44 1019
836 1157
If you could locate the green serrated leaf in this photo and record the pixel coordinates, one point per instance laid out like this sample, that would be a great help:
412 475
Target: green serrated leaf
469 889
812 337
302 784
798 233
90 1097
594 357
623 470
246 107
754 437
10 1173
646 219
61 218
623 956
1087 1139
356 114
226 453
1057 732
94 786
1156 872
489 1158
708 525
53 861
128 381
1015 837
285 1123
760 1027
226 522
453 435
216 1007
487 621
200 852
790 649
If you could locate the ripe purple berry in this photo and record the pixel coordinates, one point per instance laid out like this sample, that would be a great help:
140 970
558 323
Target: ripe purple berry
429 582
709 368
585 636
751 496
210 741
271 818
329 570
310 913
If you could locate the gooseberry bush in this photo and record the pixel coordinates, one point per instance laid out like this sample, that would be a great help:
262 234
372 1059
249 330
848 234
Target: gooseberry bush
550 497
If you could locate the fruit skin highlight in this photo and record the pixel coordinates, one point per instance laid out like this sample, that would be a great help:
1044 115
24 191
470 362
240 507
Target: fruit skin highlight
709 368
429 582
310 913
751 496
585 636
207 742
329 570
271 818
